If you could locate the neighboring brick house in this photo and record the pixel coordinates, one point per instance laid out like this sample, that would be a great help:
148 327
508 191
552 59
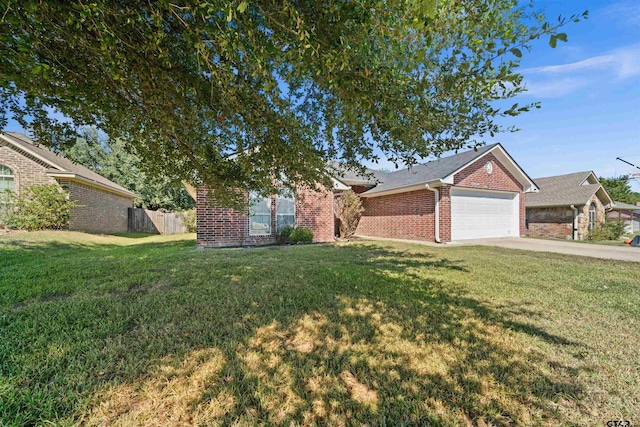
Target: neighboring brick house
567 206
474 194
102 204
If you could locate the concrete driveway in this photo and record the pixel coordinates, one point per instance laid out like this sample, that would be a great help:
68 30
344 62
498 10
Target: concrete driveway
624 253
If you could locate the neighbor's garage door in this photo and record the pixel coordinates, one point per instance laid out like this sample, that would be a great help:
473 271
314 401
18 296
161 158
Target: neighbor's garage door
478 214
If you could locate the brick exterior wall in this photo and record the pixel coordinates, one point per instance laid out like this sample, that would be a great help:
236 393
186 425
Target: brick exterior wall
475 176
218 226
557 222
550 222
399 216
101 211
410 215
27 170
314 209
98 211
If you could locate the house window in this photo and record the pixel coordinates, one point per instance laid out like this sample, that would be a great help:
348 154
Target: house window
285 211
259 215
592 216
7 180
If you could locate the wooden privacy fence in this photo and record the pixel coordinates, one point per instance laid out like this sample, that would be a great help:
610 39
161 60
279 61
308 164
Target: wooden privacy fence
155 222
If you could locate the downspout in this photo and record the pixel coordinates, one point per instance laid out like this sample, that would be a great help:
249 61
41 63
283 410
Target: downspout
575 220
436 213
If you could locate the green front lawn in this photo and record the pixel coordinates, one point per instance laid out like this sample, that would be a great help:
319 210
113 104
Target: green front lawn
105 330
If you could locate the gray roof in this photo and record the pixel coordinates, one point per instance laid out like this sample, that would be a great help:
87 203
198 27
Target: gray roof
430 171
563 190
351 177
620 206
59 164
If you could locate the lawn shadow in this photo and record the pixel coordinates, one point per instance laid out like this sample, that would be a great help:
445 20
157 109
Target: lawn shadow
360 334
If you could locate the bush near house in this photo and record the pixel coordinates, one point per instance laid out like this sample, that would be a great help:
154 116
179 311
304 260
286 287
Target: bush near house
42 207
301 235
284 236
611 229
189 219
7 202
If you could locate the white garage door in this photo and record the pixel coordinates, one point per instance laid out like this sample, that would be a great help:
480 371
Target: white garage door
478 214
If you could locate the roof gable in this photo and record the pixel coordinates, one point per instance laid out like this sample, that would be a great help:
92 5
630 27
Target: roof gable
61 166
444 170
565 190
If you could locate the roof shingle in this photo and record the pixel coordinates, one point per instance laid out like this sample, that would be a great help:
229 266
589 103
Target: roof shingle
62 164
430 171
562 190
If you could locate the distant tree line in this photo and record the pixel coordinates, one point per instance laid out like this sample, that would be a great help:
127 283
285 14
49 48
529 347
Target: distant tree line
114 160
620 190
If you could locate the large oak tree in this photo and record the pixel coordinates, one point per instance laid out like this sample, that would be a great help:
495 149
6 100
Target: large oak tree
285 85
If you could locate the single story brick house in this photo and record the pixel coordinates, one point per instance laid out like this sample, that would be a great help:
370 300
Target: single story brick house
567 206
102 204
474 194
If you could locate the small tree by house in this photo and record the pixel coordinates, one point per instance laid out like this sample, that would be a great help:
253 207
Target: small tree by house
348 209
7 202
611 229
42 207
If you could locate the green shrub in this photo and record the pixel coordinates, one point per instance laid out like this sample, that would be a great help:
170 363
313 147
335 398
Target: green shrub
42 207
611 229
189 219
286 231
7 205
301 235
284 235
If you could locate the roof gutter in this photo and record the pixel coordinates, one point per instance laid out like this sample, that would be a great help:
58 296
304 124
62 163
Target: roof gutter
404 188
436 213
86 181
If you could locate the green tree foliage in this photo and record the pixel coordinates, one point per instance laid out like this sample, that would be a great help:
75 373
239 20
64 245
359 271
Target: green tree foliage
115 160
45 206
619 189
286 84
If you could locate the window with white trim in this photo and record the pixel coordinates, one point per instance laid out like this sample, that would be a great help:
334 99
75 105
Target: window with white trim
259 215
7 180
285 211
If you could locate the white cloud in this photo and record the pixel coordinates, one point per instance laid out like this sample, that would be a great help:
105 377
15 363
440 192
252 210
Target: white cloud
627 12
624 62
555 88
555 81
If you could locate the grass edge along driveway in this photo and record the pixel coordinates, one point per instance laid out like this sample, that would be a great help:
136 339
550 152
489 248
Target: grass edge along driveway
104 330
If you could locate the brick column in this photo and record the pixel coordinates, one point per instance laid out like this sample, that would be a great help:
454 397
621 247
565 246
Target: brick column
445 213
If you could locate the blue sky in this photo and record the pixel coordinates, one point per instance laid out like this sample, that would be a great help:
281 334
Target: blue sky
589 89
590 94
